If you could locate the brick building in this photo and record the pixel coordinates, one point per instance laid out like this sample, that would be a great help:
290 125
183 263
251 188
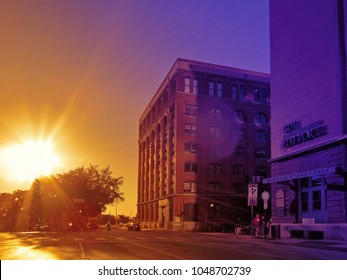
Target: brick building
202 136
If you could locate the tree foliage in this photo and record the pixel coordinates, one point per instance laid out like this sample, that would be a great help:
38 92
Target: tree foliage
77 194
95 186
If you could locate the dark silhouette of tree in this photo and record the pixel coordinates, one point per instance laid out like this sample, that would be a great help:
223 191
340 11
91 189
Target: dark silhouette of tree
12 207
57 200
95 186
76 195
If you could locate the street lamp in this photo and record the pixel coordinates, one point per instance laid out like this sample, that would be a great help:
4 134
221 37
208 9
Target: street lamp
212 214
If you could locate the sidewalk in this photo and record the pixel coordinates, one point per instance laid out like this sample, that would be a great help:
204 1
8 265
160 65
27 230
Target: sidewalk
333 245
325 244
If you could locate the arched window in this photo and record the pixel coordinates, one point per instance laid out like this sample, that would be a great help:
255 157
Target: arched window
260 118
239 116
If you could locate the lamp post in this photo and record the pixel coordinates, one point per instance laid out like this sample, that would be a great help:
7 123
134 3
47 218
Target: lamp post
212 214
116 215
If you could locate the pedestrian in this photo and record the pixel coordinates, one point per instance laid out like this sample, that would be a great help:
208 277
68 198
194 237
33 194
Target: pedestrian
237 227
256 222
108 226
268 227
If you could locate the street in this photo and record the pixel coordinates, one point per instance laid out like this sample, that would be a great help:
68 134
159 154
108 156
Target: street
120 244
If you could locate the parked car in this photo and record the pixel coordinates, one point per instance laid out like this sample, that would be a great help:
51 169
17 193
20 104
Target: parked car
134 227
225 227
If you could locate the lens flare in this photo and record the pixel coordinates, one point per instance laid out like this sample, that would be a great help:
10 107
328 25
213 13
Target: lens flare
29 160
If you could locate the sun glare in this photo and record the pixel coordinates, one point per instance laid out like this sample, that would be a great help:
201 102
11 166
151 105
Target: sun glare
29 160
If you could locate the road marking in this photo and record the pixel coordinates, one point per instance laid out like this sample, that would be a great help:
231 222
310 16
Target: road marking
83 255
121 238
160 251
100 238
56 239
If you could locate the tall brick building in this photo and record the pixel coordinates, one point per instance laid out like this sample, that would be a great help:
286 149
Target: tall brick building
202 136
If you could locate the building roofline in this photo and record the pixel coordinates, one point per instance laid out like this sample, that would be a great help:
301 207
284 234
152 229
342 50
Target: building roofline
205 67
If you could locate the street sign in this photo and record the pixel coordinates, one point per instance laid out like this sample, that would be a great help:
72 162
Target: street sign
253 190
252 194
252 201
265 196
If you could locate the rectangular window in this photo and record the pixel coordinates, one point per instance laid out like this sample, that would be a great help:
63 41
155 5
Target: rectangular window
186 84
317 200
216 151
215 169
317 181
260 171
263 95
304 182
190 187
190 129
191 148
261 137
219 89
173 87
191 110
234 91
242 92
238 170
239 188
215 132
304 201
196 86
260 153
214 187
215 211
211 88
191 167
256 94
240 151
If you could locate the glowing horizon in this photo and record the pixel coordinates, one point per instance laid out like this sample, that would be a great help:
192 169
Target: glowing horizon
29 160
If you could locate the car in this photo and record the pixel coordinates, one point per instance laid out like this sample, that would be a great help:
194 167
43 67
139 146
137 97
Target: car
134 227
38 227
226 227
92 226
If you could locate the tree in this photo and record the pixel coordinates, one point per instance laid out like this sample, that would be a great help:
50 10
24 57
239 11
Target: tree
12 209
96 187
73 196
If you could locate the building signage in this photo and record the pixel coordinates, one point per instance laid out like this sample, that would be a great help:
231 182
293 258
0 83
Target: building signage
316 172
295 134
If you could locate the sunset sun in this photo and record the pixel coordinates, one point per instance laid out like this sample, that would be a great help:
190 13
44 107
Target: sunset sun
29 160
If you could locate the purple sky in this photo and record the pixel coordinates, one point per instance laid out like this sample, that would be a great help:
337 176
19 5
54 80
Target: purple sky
82 72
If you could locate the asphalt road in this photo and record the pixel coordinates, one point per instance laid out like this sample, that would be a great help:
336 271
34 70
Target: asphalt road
153 245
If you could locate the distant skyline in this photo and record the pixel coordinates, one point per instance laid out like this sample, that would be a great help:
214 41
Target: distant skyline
82 72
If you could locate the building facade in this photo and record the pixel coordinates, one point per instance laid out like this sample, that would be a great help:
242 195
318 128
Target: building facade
309 118
202 136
